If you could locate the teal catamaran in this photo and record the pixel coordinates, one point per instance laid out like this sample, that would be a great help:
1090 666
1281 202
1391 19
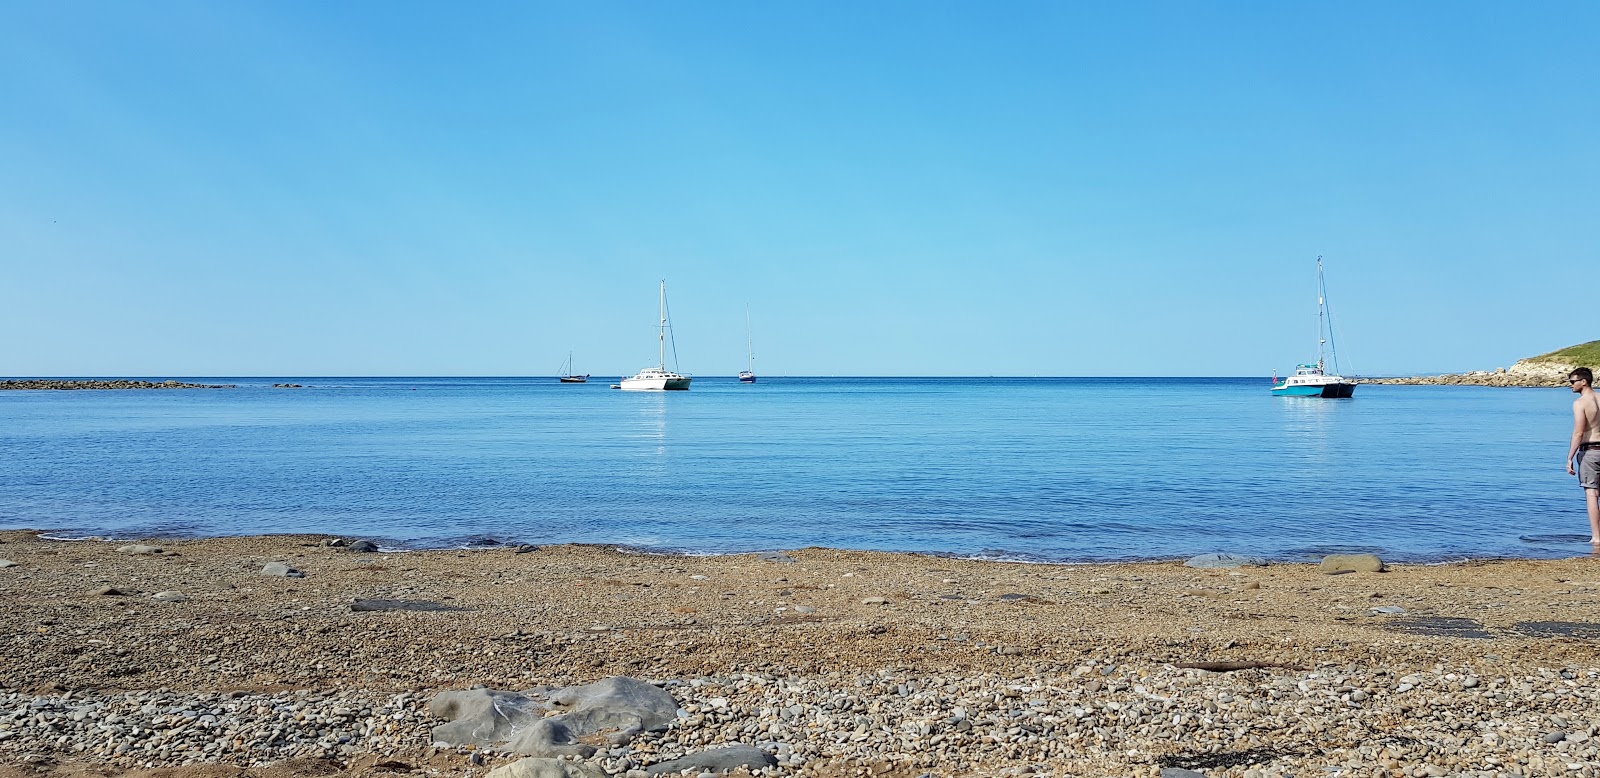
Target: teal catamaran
1313 379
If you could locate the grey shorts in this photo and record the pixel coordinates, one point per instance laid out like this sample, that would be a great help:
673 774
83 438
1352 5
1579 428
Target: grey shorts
1589 468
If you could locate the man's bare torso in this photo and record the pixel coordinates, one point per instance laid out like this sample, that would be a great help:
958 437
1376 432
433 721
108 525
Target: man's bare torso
1588 406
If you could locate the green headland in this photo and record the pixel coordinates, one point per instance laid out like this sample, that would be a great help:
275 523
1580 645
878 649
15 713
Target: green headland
1581 354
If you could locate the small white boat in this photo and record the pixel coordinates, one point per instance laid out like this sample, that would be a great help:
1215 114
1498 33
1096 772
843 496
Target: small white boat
658 378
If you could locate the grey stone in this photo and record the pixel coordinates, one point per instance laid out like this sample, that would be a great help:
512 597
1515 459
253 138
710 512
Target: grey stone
281 570
774 556
140 549
1555 736
114 591
488 717
551 737
171 597
1388 610
482 717
804 609
1179 772
4 563
875 601
363 547
615 703
1225 561
539 767
525 549
623 737
1360 563
720 760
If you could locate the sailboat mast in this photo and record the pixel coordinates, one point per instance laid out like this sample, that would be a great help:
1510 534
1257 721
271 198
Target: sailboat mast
749 344
1321 342
661 339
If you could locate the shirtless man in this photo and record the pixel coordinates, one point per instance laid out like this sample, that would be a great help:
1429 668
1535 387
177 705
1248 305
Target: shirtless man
1585 446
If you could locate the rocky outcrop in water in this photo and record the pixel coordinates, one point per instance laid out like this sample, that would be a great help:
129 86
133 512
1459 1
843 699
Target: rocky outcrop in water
1524 373
52 383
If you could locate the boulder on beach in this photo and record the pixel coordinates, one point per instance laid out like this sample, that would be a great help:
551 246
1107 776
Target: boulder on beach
140 549
1333 564
482 717
1221 560
489 717
281 570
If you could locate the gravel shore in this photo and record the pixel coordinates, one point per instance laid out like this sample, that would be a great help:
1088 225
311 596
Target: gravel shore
181 658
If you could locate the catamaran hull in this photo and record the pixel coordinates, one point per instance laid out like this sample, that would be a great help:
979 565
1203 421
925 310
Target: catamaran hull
654 384
1330 391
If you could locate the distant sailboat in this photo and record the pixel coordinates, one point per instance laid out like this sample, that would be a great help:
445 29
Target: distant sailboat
1312 379
658 378
566 374
748 374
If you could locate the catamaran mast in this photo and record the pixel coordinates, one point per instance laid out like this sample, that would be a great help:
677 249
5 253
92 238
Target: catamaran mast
1321 300
661 356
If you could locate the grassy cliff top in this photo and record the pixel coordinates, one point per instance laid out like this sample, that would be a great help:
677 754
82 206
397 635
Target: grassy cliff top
1581 354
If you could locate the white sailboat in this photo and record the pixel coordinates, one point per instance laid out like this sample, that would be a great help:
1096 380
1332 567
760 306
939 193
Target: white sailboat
748 374
658 378
1312 379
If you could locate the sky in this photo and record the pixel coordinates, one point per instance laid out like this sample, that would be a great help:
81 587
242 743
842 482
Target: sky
891 188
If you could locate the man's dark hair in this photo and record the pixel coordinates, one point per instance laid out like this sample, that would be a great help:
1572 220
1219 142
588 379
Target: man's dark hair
1585 373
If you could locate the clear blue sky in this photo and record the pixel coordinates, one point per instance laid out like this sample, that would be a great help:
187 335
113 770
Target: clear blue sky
918 188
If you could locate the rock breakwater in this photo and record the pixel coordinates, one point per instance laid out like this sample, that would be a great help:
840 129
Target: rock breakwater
125 383
1524 373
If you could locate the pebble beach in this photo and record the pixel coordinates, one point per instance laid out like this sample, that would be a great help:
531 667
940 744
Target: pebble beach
288 656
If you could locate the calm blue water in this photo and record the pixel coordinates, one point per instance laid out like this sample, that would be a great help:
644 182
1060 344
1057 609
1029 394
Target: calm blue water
1073 469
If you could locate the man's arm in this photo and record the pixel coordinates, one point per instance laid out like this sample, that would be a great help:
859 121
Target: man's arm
1579 424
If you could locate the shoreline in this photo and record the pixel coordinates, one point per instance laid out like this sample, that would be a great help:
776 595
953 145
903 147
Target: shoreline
831 661
1578 542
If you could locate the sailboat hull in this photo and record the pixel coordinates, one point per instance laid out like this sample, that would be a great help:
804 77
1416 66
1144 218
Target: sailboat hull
655 384
747 378
1337 391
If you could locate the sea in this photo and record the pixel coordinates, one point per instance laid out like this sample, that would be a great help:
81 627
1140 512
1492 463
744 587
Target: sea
1057 470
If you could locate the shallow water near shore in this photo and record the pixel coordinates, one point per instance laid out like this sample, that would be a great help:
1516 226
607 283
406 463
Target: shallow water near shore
1052 470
